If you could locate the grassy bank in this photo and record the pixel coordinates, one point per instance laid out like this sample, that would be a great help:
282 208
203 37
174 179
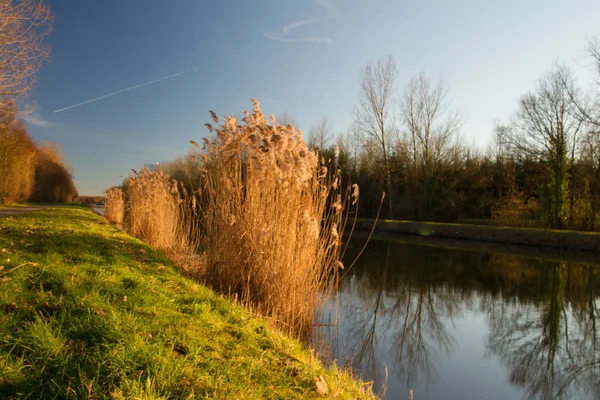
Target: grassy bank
89 312
566 240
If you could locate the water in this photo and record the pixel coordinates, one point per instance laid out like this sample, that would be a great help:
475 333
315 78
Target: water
456 324
101 210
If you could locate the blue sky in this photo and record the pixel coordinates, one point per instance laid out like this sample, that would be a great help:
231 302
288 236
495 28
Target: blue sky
299 56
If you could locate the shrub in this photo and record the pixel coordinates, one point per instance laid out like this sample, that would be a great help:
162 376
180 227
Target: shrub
18 156
29 172
53 181
517 210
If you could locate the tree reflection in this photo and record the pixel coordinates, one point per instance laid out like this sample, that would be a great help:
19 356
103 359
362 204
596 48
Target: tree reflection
400 302
550 348
410 315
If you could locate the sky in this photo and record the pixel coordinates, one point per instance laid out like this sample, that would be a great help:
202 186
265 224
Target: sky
131 82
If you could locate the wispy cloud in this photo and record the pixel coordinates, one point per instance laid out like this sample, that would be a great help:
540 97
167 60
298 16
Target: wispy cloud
286 34
35 118
164 78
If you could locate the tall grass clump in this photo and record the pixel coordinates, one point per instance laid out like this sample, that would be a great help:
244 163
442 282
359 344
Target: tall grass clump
152 211
271 215
115 205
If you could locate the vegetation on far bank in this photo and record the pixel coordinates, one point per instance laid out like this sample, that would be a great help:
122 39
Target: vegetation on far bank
87 311
541 168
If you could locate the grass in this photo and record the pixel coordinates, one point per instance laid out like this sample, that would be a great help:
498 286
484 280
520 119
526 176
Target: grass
87 311
559 239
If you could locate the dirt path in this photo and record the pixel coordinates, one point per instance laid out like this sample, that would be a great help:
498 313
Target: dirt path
4 211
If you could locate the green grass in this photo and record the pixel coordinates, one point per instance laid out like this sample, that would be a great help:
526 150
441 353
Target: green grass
89 312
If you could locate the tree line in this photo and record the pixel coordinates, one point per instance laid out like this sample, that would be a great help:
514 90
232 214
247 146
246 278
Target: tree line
28 171
542 170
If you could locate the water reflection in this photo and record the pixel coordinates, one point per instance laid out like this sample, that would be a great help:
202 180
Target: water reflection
551 343
461 324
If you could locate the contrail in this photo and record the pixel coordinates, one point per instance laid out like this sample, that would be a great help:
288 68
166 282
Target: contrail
126 89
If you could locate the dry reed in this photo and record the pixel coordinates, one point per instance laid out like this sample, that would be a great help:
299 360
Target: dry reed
152 211
115 205
271 215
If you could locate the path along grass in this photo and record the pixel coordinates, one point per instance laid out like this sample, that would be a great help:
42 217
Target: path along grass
89 312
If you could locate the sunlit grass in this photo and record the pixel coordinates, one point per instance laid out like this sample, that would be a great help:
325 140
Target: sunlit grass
87 311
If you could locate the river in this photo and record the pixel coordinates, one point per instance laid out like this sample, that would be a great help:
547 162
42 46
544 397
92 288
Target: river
101 210
460 324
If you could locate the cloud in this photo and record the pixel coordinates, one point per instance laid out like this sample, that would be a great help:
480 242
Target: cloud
36 118
284 35
126 89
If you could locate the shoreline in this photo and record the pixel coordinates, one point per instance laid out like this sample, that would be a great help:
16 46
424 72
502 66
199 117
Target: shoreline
524 237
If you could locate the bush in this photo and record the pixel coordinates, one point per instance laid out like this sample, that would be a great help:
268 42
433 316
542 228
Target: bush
53 181
518 211
29 172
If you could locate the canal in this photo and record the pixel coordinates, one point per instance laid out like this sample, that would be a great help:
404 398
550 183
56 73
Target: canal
451 323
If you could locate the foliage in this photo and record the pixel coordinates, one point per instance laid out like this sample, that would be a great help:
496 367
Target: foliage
28 171
517 210
23 26
53 181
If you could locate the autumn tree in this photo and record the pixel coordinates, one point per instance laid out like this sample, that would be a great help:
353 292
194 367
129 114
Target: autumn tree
373 116
23 26
17 158
53 180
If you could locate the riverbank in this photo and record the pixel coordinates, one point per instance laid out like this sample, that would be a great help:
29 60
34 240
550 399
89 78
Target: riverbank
563 240
88 311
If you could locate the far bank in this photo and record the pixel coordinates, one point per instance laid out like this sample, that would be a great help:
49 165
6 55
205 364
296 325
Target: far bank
562 240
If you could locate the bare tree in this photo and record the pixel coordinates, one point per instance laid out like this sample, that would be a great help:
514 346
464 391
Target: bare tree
351 143
319 136
23 26
546 128
591 113
372 116
430 128
287 119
